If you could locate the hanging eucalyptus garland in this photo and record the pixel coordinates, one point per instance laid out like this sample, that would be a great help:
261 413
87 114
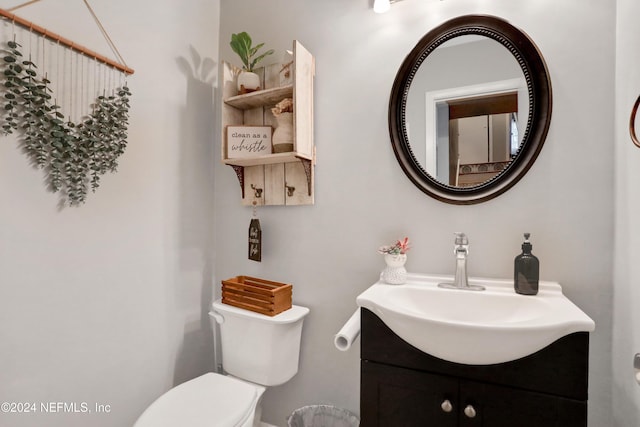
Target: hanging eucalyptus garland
73 156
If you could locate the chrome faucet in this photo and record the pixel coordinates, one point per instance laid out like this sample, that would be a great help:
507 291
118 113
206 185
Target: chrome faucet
461 280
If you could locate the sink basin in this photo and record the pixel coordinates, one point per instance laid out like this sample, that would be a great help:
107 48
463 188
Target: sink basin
475 328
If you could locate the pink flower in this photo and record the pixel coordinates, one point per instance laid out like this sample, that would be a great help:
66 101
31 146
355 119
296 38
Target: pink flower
403 245
400 247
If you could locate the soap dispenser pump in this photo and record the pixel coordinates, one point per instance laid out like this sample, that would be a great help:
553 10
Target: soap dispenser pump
526 270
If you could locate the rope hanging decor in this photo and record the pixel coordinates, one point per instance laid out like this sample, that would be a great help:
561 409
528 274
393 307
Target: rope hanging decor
70 115
6 13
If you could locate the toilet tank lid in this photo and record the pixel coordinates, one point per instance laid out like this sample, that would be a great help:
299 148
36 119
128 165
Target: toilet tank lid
211 399
291 315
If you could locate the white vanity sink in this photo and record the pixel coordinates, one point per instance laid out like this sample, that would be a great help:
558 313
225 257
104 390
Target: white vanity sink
474 327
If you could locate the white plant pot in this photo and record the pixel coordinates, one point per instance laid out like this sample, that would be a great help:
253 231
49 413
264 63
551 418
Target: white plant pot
394 273
248 82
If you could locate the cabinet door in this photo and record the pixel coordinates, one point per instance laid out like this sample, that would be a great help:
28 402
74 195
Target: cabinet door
397 397
497 406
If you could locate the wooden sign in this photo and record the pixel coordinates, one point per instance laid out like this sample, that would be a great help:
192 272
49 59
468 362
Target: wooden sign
248 141
255 240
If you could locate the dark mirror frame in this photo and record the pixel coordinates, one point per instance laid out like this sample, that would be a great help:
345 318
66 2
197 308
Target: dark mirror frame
540 101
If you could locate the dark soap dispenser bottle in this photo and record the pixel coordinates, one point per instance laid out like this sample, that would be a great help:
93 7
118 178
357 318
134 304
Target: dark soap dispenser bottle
526 270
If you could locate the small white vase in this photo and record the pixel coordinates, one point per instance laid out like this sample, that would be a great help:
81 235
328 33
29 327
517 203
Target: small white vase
248 82
394 273
282 138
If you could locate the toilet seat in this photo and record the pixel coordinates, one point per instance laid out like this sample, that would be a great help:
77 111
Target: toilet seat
211 400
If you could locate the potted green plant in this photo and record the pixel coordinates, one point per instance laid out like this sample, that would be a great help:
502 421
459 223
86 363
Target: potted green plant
241 43
395 256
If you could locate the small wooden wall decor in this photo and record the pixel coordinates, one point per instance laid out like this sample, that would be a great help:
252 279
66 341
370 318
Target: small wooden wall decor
632 123
255 240
248 141
255 237
68 105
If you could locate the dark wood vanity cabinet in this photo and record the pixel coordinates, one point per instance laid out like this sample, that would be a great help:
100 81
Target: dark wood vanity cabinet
404 387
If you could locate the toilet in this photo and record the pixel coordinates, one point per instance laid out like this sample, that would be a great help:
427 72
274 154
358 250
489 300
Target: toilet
258 351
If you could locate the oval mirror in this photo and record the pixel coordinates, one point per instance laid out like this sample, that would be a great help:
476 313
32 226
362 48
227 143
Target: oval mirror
470 109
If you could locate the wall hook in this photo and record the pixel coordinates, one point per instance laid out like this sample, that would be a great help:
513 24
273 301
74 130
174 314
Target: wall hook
290 189
632 123
257 192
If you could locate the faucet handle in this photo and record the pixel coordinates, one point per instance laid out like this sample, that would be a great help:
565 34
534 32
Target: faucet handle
461 238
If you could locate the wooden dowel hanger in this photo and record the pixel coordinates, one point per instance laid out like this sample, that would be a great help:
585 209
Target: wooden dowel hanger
68 43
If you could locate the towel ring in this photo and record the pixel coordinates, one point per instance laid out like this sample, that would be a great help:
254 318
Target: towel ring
632 123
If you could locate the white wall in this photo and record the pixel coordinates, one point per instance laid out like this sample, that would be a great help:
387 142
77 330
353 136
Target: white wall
107 303
363 199
626 318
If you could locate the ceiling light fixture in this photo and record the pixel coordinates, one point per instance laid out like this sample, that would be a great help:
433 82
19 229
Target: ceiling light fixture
381 6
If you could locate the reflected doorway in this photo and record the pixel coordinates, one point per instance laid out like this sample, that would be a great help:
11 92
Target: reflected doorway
482 137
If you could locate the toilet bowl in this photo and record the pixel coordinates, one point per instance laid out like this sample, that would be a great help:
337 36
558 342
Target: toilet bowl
257 351
209 400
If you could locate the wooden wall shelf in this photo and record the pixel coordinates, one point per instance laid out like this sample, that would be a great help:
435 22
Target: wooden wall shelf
260 98
269 159
278 178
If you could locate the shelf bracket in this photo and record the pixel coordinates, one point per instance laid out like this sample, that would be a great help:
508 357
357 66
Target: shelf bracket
307 165
239 170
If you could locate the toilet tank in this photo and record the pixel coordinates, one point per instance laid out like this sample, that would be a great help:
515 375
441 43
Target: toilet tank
262 349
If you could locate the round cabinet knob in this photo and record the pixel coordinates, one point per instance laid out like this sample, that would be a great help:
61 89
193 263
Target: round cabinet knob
446 406
470 411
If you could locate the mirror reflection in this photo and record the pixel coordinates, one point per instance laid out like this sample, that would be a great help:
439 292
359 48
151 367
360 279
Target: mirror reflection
473 75
467 111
